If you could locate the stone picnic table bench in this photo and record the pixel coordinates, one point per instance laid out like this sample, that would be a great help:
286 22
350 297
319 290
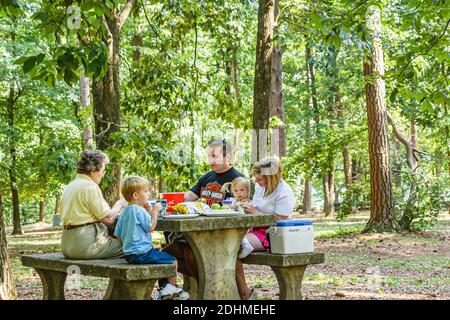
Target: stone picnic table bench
126 281
215 242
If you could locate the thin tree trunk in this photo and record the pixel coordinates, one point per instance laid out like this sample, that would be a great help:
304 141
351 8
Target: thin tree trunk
397 166
234 77
88 141
382 206
42 207
278 135
414 138
261 90
333 107
328 193
7 288
355 172
312 104
307 194
347 167
57 205
42 196
17 226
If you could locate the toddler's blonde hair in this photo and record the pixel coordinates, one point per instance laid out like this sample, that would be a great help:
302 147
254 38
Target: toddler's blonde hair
232 184
131 185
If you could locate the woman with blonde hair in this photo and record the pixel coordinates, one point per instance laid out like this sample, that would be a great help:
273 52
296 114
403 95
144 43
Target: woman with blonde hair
272 196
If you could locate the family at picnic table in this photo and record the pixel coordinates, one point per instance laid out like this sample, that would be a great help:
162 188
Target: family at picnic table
86 215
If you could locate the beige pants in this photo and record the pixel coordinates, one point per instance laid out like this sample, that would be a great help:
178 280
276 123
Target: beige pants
90 242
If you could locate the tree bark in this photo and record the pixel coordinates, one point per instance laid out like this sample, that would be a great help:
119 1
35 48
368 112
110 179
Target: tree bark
278 136
312 104
413 138
42 196
88 141
328 193
106 99
397 166
57 205
42 207
333 107
261 90
347 167
13 96
7 288
382 206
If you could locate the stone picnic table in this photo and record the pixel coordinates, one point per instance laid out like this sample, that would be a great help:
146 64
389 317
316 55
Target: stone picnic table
215 242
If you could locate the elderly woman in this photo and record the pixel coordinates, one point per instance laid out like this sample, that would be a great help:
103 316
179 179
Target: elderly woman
272 196
85 213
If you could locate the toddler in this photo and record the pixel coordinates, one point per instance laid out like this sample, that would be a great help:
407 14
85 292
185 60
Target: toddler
240 189
134 229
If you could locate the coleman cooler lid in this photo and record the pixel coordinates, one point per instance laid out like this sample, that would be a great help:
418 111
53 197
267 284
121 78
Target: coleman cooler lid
293 223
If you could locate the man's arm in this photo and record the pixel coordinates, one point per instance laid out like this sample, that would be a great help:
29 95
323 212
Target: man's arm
190 196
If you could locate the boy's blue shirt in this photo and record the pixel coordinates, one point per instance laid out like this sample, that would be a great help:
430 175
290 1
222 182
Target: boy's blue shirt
133 229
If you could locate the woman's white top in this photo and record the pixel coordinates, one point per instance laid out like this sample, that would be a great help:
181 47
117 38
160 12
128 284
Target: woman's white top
281 201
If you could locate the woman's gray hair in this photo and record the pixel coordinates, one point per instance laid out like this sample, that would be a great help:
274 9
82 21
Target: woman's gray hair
91 161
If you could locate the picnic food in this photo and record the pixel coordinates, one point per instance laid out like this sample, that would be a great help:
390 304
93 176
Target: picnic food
179 208
189 207
215 206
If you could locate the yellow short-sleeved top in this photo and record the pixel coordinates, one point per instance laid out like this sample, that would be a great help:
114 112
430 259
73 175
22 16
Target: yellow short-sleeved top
82 202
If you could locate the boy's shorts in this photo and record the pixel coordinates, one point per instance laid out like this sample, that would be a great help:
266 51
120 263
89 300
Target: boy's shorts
154 256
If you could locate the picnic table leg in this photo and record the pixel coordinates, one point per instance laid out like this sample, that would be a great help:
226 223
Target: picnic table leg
53 284
216 253
129 290
190 285
290 281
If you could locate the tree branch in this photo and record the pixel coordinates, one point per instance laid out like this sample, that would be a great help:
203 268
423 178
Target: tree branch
409 150
125 13
110 41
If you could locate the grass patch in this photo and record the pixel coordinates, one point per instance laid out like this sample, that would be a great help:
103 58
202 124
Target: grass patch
338 233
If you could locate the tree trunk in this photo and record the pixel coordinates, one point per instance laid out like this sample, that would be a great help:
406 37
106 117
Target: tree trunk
333 107
234 77
413 138
347 167
43 194
278 135
88 141
397 165
356 174
42 207
261 90
328 193
312 104
17 226
106 98
58 205
382 206
7 288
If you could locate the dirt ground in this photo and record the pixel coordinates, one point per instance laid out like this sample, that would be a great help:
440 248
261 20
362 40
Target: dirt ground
357 266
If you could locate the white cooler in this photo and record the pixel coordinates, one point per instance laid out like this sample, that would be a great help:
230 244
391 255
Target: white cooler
292 236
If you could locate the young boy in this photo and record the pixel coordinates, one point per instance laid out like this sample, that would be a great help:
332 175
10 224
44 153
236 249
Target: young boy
134 228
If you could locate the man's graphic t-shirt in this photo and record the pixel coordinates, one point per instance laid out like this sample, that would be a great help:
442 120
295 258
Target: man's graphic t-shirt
209 185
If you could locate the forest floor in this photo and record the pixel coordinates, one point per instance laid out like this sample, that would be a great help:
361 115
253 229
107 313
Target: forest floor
357 266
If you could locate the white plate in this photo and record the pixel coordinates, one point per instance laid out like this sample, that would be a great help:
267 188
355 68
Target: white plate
181 216
222 213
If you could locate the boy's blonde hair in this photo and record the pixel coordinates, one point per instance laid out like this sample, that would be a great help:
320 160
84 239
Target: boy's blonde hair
272 171
131 185
226 186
